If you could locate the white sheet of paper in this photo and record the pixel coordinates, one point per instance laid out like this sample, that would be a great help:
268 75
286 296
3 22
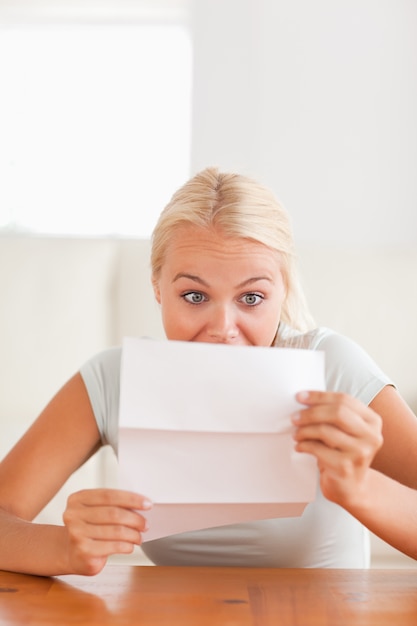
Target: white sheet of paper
205 432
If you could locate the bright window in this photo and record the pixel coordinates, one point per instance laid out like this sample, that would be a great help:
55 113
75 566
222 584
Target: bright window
95 125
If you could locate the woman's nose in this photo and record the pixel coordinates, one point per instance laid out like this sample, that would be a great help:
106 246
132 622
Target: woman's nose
222 325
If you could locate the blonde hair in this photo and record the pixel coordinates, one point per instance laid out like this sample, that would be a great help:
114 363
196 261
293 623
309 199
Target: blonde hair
239 207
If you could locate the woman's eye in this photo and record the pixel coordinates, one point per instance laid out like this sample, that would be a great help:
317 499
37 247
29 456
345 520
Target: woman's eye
252 299
194 297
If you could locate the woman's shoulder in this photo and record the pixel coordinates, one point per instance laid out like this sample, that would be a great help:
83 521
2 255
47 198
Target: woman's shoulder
106 360
313 339
349 368
102 370
319 338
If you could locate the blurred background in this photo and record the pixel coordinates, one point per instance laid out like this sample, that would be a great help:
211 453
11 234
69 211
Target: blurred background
107 106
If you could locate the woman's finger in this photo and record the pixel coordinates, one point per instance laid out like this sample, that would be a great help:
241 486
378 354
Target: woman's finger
112 497
339 401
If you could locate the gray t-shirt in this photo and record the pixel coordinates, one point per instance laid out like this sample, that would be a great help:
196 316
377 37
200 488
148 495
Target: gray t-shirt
325 535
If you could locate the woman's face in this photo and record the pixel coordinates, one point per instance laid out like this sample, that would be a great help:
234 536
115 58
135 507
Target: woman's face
218 289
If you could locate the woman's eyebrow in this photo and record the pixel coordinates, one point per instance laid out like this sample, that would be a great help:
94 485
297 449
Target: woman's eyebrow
255 279
196 279
244 283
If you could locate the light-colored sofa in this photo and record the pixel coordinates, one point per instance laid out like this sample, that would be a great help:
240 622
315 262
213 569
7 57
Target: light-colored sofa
64 299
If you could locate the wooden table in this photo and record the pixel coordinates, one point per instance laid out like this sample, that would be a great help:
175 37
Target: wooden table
198 596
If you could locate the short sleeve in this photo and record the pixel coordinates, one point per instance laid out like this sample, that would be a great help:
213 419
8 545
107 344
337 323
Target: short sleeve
349 368
101 376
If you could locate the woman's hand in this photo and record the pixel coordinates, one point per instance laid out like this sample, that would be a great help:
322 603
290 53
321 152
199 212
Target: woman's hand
344 435
101 522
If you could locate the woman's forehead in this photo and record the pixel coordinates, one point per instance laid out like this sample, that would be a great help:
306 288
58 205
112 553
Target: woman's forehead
204 248
203 241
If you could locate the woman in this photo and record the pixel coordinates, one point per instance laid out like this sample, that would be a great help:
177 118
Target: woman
223 272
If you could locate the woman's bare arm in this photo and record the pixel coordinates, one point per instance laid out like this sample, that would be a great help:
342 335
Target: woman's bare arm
98 522
397 456
388 509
